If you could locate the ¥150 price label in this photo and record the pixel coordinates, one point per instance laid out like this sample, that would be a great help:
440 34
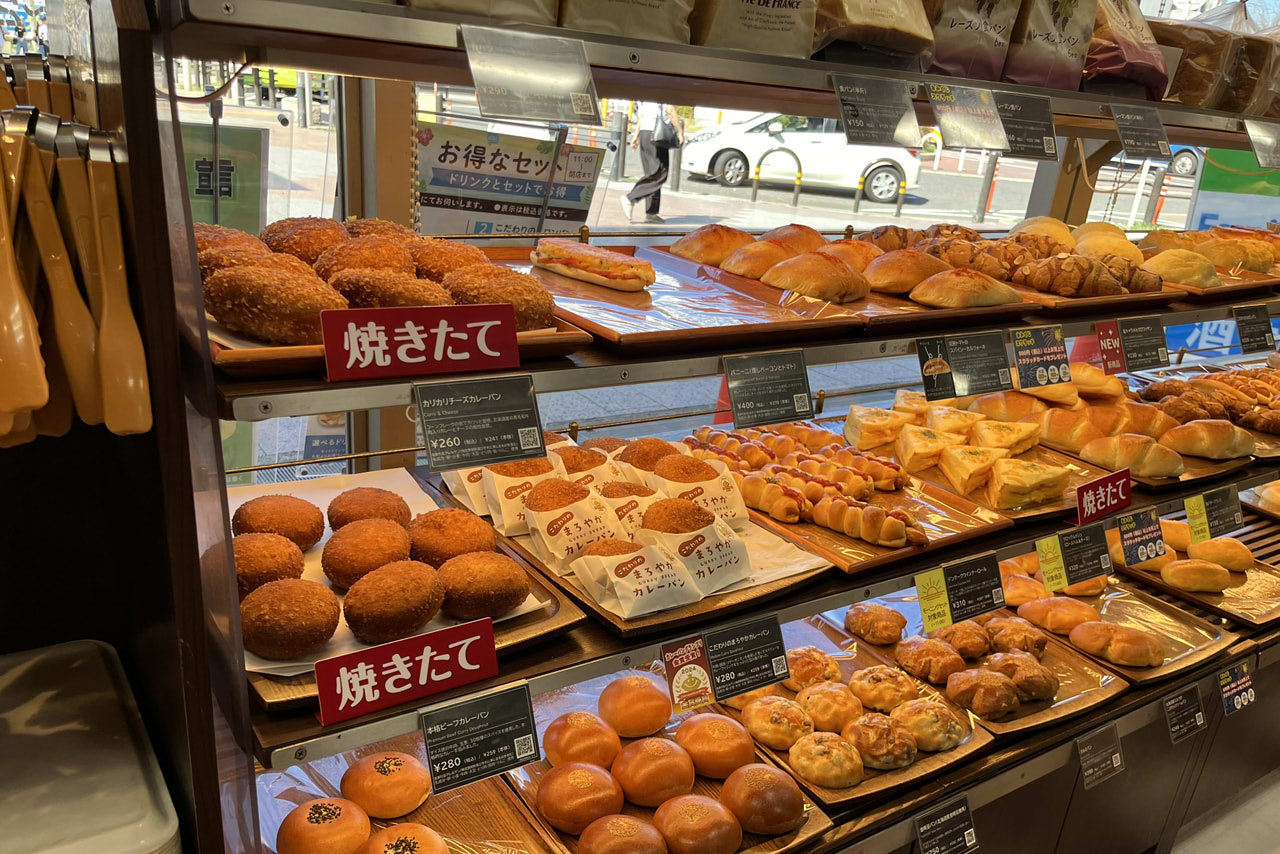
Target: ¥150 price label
477 422
1213 514
768 388
959 591
479 738
876 110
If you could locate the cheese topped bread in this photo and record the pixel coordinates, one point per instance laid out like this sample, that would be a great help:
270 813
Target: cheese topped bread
914 403
1021 483
867 428
951 420
918 448
1014 436
967 467
595 264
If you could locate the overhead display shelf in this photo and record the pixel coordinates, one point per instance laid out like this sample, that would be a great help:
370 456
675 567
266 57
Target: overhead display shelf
390 41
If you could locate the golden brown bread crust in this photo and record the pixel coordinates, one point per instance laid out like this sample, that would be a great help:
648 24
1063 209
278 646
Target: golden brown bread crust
439 535
987 694
209 236
830 705
1031 679
1014 633
1069 275
967 254
435 259
1019 589
523 468
374 227
932 724
580 737
373 288
485 283
799 237
575 459
856 253
963 288
392 602
272 305
892 237
573 795
826 759
377 253
898 271
607 444
882 742
1123 645
553 494
683 468
711 244
676 516
482 584
624 488
367 502
717 744
288 619
645 453
820 276
611 547
1057 614
305 237
1224 551
1196 575
928 659
882 687
754 259
966 637
254 254
765 799
286 515
776 722
332 823
653 770
809 665
875 623
261 558
695 824
360 547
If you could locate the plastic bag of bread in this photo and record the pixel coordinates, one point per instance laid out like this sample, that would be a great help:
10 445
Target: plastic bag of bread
628 501
1251 79
780 29
712 553
506 485
660 20
706 483
1123 49
564 518
526 11
1208 54
1049 43
894 25
632 579
971 38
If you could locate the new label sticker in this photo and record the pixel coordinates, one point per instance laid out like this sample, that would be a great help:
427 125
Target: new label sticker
959 591
1110 346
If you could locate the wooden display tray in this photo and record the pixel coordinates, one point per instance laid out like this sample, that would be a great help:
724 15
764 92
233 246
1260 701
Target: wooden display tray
1054 305
1249 498
832 639
1233 284
284 361
1266 445
675 314
582 698
508 826
1253 598
1082 685
878 311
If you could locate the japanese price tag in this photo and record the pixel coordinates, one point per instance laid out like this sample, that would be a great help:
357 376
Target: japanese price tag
1073 556
479 738
1100 755
1214 514
959 591
1184 713
876 110
947 829
530 76
961 365
1253 324
1140 536
476 422
1143 340
746 657
767 388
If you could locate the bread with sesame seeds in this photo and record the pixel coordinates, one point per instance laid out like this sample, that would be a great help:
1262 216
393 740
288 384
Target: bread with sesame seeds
387 784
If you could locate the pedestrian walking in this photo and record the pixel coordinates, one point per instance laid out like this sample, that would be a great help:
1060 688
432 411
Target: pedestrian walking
657 130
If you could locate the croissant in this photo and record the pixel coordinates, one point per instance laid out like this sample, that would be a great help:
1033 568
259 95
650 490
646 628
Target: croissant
1263 420
875 525
1039 245
812 438
767 495
887 475
1130 275
1068 276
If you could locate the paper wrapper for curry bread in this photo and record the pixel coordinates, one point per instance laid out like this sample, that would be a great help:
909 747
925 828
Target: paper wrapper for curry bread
466 484
714 556
720 494
648 580
630 508
560 535
505 496
782 29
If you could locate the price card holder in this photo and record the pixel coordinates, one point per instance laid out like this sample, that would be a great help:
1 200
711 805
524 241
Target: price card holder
1143 341
1141 131
1184 713
967 117
1100 755
747 656
876 110
1253 323
959 591
1140 536
1040 354
1235 684
476 422
767 388
1073 556
965 364
1110 346
688 674
1213 514
1028 125
1265 139
947 828
480 737
530 76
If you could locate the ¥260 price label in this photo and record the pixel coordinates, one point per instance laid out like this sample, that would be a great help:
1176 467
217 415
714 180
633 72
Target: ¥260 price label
477 422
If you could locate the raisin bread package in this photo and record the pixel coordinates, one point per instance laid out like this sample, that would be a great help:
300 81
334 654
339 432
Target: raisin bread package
971 37
660 20
1208 54
760 26
1049 43
1123 49
899 26
525 11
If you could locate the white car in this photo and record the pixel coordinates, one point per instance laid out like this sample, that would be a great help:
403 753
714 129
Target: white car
729 154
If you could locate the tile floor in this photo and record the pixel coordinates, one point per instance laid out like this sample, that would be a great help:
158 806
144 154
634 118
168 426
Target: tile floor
1251 825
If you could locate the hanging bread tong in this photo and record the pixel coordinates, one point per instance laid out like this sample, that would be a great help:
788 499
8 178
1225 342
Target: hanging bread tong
54 418
22 379
37 82
60 87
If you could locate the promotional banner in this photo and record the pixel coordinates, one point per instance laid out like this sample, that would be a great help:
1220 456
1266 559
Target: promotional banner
1234 190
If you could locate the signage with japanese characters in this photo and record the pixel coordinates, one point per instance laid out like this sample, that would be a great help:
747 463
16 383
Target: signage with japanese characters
688 674
1040 354
240 180
479 738
1073 556
1100 755
1265 139
947 829
379 677
959 591
1253 323
746 657
1140 536
965 364
767 388
1028 125
1141 131
1103 496
477 422
1213 514
417 340
1144 343
478 182
530 75
876 110
1235 684
1184 713
1110 346
967 117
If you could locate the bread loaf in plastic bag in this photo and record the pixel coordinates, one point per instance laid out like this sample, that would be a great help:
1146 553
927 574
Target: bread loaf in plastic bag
971 37
1123 48
782 30
525 11
1252 82
894 25
1208 54
1049 43
659 20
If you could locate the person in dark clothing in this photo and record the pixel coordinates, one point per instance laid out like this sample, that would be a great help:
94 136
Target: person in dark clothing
656 159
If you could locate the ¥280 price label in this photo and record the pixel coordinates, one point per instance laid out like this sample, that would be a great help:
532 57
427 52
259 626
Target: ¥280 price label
477 422
479 738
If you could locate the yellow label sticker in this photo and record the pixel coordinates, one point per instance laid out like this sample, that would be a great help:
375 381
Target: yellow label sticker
1052 568
935 607
1197 518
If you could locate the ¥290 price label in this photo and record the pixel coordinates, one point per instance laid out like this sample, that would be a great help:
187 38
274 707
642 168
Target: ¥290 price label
477 422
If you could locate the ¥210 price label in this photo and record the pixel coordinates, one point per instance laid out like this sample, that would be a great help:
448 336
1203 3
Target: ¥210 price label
477 422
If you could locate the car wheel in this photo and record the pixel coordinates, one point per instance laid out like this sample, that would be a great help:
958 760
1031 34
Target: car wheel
881 184
1185 163
731 168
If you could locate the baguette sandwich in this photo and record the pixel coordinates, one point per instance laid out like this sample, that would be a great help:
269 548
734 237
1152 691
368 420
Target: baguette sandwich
593 264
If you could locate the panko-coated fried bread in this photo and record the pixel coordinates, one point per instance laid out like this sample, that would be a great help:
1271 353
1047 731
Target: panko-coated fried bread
373 288
607 444
392 602
625 488
366 253
434 259
577 459
271 305
262 558
442 534
373 227
485 283
286 515
676 516
684 469
482 584
254 254
610 547
367 502
554 493
522 468
303 236
645 453
288 619
208 236
360 547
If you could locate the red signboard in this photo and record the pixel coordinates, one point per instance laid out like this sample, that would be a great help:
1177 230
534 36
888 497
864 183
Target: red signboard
405 670
1103 496
1109 344
417 340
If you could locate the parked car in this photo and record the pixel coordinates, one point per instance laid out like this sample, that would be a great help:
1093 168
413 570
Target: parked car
729 154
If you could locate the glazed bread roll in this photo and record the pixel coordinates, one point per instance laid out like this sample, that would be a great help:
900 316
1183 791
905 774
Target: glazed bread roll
635 706
1177 535
621 834
966 637
1007 406
802 238
1196 575
899 271
856 253
776 721
1058 614
882 742
1066 429
1141 455
1020 589
1096 384
1121 645
765 799
711 244
718 745
1225 551
327 825
819 276
573 795
387 785
753 260
580 737
1212 438
650 771
694 824
963 288
808 665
